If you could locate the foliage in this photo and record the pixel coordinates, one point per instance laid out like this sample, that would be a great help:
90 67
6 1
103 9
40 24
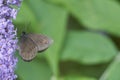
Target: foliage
86 39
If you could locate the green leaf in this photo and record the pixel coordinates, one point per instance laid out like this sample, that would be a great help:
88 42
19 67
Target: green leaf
73 68
76 77
53 23
35 70
26 20
113 71
88 48
95 14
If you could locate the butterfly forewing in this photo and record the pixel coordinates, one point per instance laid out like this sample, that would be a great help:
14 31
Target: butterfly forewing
42 41
28 48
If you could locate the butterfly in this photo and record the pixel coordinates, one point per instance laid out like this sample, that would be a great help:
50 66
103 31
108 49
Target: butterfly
30 44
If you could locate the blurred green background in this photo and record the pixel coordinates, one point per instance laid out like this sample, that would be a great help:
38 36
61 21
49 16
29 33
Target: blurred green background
86 36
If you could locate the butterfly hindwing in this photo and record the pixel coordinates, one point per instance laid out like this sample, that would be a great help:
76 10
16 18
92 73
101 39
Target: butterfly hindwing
28 48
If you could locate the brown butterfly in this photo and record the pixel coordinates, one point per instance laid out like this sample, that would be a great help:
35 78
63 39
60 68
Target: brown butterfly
30 44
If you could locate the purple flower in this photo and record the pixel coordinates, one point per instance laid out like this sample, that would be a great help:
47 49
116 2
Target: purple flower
14 2
8 40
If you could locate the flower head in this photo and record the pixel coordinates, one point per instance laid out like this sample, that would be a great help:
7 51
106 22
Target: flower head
8 40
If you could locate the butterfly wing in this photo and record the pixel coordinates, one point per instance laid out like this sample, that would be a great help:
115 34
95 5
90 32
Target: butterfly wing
28 48
42 41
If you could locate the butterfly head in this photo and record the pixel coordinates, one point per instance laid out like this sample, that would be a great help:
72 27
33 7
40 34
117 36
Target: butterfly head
23 33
